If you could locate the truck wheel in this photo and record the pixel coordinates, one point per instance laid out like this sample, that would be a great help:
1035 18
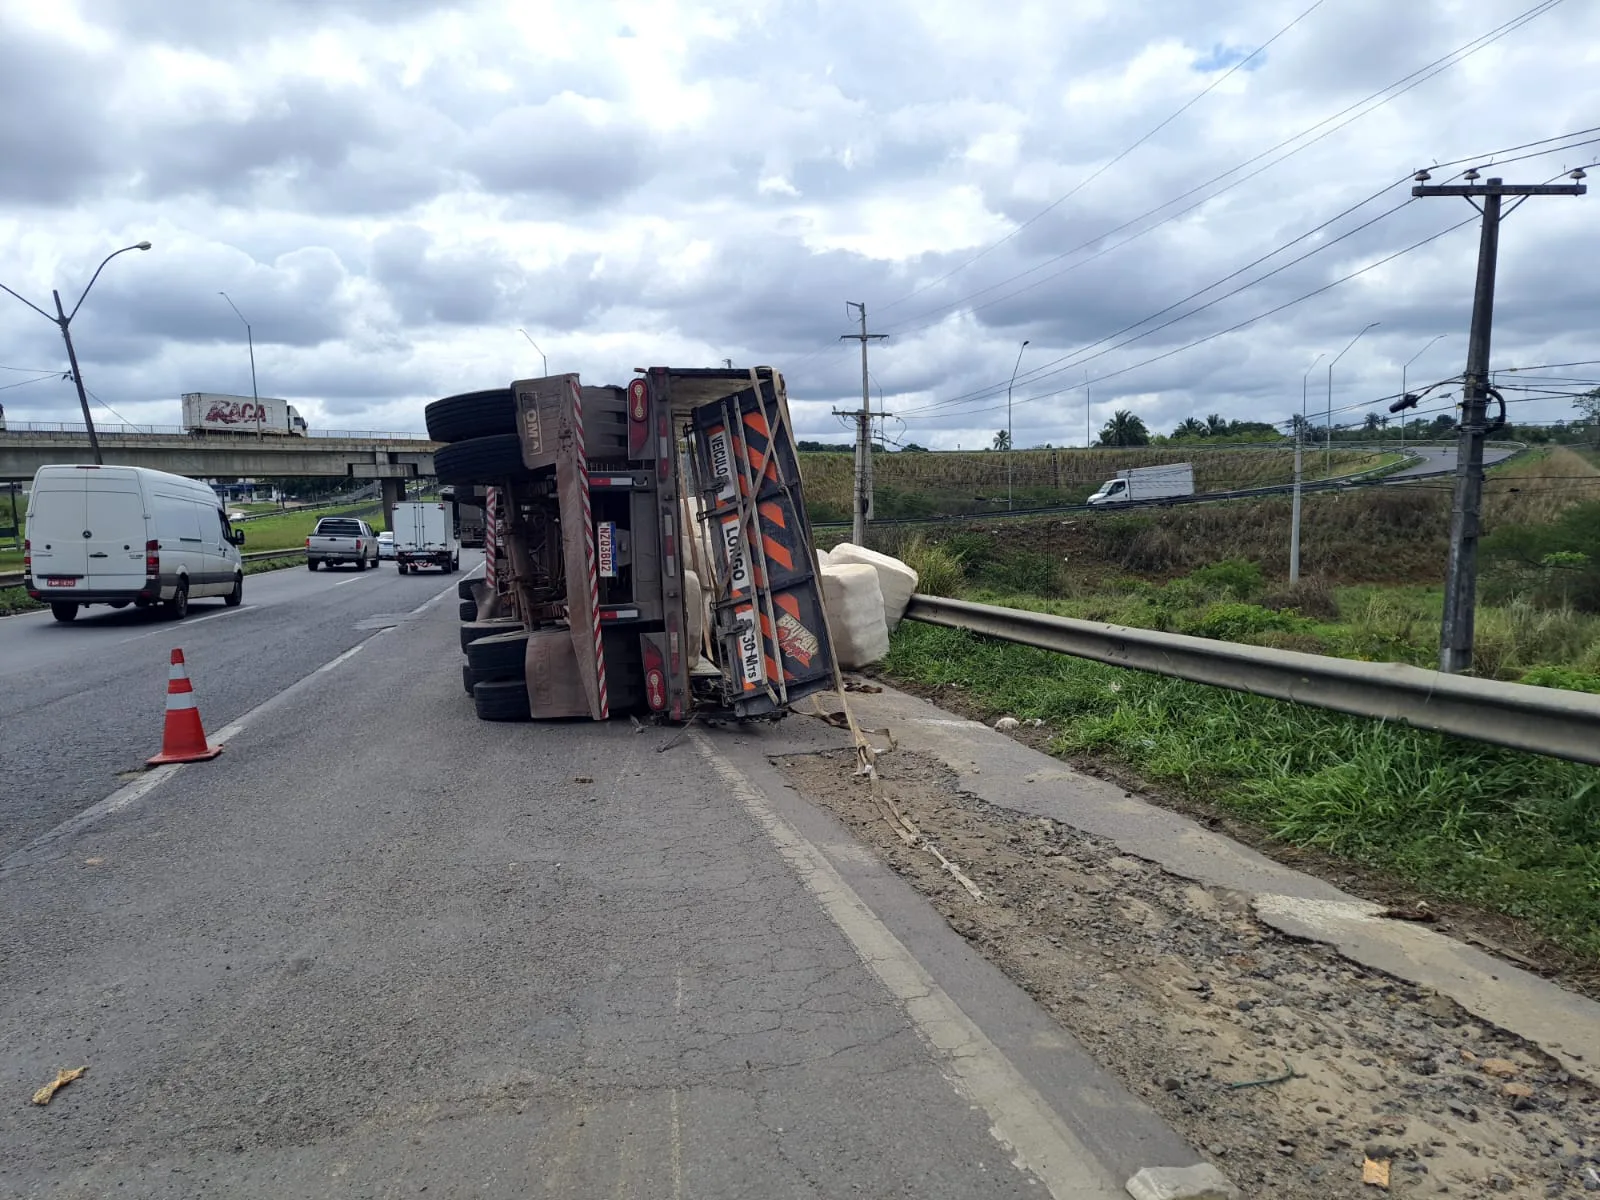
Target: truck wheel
468 677
311 564
361 564
236 597
455 564
63 610
178 607
401 567
472 415
471 631
469 610
480 460
499 656
501 700
464 589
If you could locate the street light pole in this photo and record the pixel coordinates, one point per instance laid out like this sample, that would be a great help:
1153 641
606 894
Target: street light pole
1406 366
542 359
63 321
1328 432
1299 446
1011 448
250 339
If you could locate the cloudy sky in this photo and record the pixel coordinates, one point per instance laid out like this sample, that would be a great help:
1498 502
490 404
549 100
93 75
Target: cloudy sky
389 189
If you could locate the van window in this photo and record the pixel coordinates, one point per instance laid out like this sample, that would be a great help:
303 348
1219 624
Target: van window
177 517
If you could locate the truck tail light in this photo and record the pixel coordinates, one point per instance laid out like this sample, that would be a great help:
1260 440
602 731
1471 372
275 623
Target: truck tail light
152 558
655 677
27 556
638 418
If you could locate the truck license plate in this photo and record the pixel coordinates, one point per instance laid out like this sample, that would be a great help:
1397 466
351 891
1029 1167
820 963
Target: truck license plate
58 581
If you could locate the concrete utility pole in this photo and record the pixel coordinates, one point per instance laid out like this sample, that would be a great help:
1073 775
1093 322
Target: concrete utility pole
1299 447
1461 582
63 320
250 339
863 497
1327 434
1011 442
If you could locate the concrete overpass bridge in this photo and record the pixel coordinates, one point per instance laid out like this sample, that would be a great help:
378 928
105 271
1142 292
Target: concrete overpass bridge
348 454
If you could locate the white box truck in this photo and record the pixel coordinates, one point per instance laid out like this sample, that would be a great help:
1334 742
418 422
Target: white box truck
214 412
425 536
1138 484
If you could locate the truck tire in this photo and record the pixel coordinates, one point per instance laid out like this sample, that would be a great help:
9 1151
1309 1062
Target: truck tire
500 655
469 610
472 415
501 700
486 460
464 589
468 677
471 631
311 564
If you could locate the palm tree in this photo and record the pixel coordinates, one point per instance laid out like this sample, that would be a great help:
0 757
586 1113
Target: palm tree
1002 440
1189 427
1124 429
1216 426
1373 422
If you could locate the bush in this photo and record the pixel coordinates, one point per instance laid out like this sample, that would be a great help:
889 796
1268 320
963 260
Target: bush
939 570
1238 577
1024 571
1312 597
1563 677
1234 622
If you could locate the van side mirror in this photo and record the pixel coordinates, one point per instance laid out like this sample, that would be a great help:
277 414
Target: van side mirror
237 537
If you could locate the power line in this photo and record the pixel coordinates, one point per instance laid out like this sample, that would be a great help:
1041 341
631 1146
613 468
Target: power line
1411 81
1078 187
37 379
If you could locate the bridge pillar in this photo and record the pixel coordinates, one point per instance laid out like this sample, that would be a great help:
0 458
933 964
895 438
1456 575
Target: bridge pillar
394 492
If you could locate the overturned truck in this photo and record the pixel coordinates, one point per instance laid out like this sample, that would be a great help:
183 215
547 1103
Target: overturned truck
647 548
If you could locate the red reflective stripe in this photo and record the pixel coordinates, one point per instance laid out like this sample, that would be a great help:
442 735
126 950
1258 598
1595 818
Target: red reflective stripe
179 685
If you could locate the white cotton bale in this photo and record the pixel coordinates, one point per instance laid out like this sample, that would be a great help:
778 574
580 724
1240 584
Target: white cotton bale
694 538
895 580
694 602
822 558
855 614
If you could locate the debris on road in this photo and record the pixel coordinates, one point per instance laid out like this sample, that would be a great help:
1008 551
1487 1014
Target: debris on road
47 1093
1375 1173
1183 992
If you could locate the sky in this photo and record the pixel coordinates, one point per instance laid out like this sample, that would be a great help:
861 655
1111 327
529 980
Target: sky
389 190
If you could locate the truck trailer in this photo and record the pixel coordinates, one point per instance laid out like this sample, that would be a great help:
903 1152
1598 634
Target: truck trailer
425 536
1139 485
214 412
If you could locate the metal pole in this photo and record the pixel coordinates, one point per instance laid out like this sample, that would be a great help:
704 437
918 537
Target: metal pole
1011 442
544 362
1404 368
77 377
864 437
1461 581
1327 434
1299 445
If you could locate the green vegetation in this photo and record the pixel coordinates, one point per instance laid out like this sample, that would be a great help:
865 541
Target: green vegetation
15 600
1514 832
290 529
1518 833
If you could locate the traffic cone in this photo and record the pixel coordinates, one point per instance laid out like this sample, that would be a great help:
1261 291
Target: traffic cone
185 738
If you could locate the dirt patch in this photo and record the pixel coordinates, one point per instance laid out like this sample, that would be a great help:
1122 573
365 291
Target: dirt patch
1281 1061
1513 940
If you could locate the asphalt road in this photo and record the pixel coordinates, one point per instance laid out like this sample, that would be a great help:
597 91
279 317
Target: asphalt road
1442 459
82 703
380 948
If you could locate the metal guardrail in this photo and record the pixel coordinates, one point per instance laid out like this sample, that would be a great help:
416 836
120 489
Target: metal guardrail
11 580
1543 720
78 429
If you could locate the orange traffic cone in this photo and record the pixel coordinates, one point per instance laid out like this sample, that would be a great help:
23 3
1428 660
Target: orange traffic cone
185 738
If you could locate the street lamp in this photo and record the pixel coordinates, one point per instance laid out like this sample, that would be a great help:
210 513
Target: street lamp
1011 449
1403 369
249 338
535 345
63 319
1328 433
1299 446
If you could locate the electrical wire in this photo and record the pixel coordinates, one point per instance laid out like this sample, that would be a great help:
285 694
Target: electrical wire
1078 187
6 387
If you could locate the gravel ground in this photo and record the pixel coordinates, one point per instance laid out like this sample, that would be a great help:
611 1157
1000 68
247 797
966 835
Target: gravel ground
1184 994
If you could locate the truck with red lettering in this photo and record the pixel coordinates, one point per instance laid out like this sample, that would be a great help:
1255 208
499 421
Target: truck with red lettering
214 412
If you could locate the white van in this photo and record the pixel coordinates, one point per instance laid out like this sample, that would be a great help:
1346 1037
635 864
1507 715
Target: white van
127 535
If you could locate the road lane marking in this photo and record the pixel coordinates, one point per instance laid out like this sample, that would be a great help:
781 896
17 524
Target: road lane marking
1020 1118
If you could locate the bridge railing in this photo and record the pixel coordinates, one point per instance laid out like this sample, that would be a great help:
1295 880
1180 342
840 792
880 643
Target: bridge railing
77 428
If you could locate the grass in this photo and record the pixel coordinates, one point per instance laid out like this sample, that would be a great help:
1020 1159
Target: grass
290 529
1517 833
955 482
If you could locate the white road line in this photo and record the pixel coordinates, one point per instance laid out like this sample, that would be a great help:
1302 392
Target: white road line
1020 1118
125 797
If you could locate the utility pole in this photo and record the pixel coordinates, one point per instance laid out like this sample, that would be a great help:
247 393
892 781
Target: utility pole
1299 449
863 497
1461 581
1011 442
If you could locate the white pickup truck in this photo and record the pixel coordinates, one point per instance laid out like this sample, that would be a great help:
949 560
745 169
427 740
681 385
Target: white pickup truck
342 540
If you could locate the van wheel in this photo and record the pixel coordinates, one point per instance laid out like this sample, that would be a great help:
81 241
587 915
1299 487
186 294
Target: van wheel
236 597
119 604
63 610
178 607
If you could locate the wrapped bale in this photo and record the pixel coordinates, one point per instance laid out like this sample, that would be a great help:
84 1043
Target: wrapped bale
855 614
694 602
896 580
